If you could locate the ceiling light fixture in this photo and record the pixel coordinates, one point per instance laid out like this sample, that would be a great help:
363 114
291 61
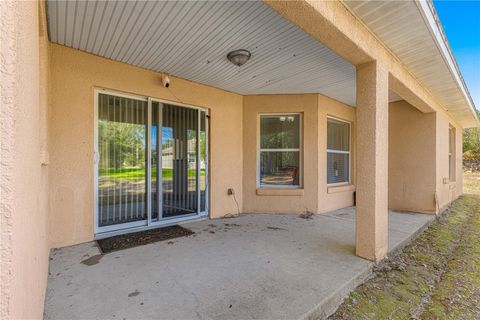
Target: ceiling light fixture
239 57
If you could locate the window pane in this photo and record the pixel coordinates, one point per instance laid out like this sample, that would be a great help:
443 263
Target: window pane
338 135
280 168
280 132
337 167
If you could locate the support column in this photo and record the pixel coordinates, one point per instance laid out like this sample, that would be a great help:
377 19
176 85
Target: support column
372 161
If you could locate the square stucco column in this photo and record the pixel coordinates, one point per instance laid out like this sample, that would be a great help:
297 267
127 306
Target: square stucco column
372 162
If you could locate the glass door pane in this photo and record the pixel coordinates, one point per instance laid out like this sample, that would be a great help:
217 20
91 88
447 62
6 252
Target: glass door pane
179 160
203 161
122 128
155 163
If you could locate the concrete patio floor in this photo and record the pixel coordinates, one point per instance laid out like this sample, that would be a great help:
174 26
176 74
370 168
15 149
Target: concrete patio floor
255 266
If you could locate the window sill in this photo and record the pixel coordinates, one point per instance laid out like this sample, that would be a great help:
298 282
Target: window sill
279 192
341 188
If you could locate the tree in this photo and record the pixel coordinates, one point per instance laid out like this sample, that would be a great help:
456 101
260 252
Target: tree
471 140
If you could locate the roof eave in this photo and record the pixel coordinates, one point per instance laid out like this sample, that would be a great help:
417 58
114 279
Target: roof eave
432 20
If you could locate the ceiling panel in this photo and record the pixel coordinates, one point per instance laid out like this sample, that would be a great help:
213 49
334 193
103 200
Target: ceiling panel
191 39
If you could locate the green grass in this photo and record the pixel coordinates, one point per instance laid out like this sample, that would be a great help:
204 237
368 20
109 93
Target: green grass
135 174
436 277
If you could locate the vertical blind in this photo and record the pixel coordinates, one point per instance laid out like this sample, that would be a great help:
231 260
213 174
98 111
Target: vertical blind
176 170
338 151
122 125
179 160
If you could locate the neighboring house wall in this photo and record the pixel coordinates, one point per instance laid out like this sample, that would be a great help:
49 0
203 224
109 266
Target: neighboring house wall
412 168
23 183
74 75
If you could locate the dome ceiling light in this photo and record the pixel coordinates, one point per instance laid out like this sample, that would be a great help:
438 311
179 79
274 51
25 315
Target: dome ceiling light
239 57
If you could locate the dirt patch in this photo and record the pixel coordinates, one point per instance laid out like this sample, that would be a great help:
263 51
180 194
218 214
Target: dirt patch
435 277
307 215
141 238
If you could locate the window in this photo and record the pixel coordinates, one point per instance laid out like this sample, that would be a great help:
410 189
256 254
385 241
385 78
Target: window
338 151
280 150
451 153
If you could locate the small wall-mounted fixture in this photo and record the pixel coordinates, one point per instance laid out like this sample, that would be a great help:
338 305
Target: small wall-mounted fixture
165 81
239 57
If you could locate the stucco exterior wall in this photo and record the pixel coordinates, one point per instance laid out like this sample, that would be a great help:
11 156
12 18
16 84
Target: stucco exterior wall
277 200
74 75
23 183
313 195
412 167
334 197
447 191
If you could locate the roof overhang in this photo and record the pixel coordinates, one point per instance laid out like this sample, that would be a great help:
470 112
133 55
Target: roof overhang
412 32
191 40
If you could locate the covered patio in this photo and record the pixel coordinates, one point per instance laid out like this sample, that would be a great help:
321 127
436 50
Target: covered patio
278 266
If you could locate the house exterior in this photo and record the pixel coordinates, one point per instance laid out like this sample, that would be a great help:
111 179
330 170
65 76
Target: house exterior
341 103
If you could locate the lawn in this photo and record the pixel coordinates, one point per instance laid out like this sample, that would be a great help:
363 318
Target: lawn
134 174
471 182
435 277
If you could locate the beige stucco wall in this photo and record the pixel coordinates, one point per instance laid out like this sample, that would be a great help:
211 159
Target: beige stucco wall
412 167
288 200
23 78
314 195
74 75
334 197
447 192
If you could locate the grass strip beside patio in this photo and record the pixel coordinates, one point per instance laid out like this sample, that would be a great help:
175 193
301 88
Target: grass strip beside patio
435 277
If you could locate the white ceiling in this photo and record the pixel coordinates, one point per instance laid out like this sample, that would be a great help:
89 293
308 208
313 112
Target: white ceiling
410 32
191 39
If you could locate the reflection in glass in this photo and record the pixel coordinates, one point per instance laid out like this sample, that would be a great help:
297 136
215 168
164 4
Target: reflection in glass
179 160
279 168
338 135
122 125
337 167
338 151
280 132
280 150
203 161
155 179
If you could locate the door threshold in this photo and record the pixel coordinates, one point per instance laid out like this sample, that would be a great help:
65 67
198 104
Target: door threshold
161 224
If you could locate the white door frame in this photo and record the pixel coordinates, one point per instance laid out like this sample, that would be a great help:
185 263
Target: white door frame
111 230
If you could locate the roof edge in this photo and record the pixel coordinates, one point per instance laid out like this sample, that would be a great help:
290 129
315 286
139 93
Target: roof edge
432 20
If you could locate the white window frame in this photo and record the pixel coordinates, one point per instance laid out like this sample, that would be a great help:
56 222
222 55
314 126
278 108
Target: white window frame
300 151
349 152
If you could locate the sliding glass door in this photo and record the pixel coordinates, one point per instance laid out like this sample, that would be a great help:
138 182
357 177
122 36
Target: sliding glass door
150 162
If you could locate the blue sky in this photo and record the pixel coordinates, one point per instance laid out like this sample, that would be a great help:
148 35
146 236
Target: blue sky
461 23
